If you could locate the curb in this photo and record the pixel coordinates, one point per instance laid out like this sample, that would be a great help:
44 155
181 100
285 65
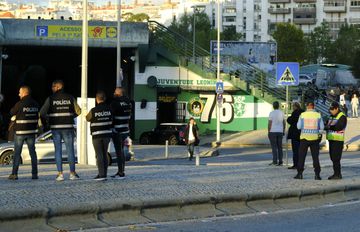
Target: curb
347 147
96 208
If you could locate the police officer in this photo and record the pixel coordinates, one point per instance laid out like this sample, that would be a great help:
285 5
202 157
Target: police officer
335 128
121 109
100 119
310 123
61 109
26 112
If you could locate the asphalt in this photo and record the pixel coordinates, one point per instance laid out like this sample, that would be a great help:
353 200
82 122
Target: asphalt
158 189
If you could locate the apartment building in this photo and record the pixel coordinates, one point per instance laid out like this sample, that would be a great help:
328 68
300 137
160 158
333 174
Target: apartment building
257 19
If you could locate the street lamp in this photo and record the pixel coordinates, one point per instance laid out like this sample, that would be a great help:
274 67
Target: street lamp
84 77
218 73
119 74
196 10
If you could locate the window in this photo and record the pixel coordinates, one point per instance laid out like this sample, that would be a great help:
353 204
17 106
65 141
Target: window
230 10
355 3
180 112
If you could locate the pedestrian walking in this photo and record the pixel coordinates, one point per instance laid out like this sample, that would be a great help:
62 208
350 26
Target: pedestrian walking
121 110
335 134
101 122
354 105
294 133
276 131
342 101
26 113
60 110
310 123
191 137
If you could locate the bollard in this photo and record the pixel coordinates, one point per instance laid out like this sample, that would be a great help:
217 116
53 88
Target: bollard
197 159
167 149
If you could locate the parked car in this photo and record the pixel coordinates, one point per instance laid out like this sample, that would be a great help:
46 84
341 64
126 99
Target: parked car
44 149
173 132
305 79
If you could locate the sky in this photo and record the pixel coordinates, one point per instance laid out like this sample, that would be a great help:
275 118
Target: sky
45 2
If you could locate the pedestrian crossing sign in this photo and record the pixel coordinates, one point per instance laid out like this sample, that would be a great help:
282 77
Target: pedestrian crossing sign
287 73
219 87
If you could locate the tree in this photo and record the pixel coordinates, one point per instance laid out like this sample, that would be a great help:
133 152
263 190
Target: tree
203 31
229 33
356 65
318 44
290 42
345 46
130 17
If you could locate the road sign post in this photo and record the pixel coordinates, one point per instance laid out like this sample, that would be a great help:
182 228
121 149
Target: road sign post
287 74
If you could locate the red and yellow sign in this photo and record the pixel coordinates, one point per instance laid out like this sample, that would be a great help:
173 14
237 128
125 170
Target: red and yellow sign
74 32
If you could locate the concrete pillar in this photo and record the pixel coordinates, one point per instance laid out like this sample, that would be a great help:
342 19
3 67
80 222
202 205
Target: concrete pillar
1 64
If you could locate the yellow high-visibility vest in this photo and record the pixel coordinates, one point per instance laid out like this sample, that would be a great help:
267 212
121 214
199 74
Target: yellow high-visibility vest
335 135
310 125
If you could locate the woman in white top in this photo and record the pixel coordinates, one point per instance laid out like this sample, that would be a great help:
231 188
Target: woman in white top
354 105
191 136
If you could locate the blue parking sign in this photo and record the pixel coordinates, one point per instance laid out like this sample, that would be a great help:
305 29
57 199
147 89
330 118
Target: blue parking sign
287 73
42 31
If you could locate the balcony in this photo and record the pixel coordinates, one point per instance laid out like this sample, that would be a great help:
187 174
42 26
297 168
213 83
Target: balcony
354 8
304 21
305 10
305 1
279 10
354 20
334 7
279 1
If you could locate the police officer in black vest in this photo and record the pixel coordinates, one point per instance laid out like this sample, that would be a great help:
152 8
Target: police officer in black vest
61 109
26 112
121 109
101 122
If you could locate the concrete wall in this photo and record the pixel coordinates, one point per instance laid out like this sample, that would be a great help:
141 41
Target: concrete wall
24 32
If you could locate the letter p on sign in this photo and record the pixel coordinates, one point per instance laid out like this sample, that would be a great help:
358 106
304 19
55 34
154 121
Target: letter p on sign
41 31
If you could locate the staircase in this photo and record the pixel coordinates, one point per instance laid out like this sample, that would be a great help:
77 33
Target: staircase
242 75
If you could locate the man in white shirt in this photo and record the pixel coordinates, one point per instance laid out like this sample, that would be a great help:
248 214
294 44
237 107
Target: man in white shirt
276 131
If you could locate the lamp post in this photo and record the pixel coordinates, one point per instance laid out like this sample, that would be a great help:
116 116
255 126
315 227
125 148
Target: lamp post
194 30
119 74
218 74
84 77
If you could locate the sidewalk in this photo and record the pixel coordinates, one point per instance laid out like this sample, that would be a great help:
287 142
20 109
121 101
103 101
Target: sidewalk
162 191
260 138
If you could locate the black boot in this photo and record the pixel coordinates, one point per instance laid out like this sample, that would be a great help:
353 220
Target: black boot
317 177
298 176
335 177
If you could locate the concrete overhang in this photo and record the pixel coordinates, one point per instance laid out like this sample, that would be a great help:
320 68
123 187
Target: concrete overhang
27 32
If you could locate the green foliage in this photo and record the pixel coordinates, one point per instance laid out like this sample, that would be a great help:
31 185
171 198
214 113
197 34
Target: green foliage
204 33
344 48
130 17
356 64
318 45
290 42
229 33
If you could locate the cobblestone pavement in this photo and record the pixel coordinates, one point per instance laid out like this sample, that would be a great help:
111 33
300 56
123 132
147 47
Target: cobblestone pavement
168 179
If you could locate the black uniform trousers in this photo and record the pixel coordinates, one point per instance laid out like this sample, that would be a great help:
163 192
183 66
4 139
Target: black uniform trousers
118 140
335 150
101 148
314 148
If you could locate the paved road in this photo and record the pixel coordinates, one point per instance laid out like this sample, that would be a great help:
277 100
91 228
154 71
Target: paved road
328 218
244 172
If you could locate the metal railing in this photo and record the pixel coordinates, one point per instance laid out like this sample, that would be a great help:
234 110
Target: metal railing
241 74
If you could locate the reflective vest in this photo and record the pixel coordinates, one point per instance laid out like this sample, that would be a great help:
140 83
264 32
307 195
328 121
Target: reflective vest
27 117
335 135
121 109
61 111
101 121
310 125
